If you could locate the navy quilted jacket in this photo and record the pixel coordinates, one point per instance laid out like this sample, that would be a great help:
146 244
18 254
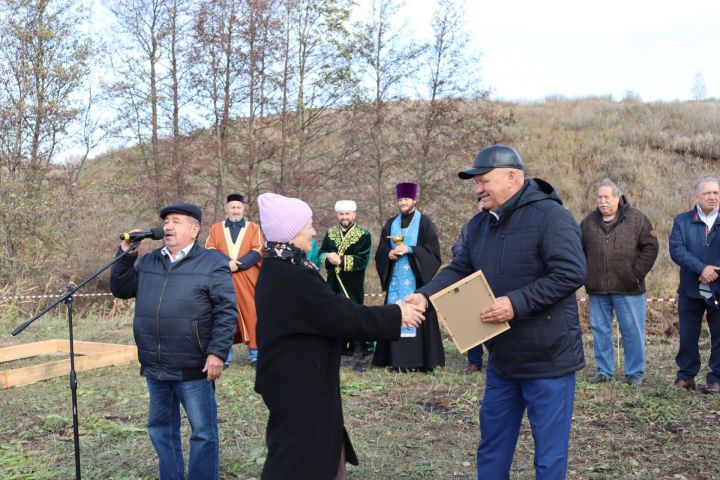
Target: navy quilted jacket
532 254
693 246
183 311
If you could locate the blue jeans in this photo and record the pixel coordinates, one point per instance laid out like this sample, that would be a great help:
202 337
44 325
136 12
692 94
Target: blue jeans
549 403
475 355
230 358
252 354
691 312
630 312
198 399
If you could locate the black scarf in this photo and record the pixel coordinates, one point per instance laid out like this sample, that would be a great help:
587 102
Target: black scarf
287 252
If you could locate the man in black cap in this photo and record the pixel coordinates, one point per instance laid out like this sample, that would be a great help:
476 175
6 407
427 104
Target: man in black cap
184 322
529 249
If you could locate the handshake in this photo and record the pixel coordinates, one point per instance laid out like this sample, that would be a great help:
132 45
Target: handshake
413 309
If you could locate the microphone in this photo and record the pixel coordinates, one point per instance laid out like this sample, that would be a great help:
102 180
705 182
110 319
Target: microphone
156 233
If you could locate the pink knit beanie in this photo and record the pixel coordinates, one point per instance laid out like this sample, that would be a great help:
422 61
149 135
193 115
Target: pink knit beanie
282 218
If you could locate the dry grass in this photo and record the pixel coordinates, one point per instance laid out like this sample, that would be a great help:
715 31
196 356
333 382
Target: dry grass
405 426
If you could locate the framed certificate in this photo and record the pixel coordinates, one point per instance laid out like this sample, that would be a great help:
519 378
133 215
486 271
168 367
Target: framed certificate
459 307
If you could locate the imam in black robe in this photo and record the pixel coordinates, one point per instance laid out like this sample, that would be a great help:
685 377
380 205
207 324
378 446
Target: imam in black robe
301 324
425 350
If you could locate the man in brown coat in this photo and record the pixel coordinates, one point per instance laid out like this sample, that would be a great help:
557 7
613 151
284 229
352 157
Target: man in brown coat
621 246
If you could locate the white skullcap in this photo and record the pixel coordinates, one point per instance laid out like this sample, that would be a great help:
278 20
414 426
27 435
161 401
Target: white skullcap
345 206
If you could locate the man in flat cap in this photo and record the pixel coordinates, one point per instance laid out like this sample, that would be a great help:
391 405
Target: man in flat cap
529 249
185 315
241 242
345 253
407 257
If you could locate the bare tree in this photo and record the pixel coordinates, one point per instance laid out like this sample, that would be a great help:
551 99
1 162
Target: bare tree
142 28
387 59
260 42
43 59
177 47
442 124
453 121
215 76
317 79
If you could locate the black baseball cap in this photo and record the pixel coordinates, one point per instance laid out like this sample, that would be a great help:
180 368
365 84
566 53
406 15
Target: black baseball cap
491 157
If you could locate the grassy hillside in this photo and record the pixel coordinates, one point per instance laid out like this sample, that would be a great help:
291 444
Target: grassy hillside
653 151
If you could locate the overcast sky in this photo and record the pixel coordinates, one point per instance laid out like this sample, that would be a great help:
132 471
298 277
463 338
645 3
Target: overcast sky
576 48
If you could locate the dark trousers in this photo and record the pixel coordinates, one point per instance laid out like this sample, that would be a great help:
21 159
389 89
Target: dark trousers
691 312
475 355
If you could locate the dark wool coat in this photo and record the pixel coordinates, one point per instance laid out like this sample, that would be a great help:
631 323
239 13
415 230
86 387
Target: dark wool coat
184 311
301 323
533 255
621 255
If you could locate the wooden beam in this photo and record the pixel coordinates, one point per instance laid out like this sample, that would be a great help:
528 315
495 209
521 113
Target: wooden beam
89 355
16 352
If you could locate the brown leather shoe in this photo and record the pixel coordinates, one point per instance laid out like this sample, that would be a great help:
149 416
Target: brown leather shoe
471 368
686 384
712 387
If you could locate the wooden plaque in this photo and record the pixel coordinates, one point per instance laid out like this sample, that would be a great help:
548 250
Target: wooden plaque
459 307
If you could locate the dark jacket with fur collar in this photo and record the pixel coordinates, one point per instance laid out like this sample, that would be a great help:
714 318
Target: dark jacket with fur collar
621 254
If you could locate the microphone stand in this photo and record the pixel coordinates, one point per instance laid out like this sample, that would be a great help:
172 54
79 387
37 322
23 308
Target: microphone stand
67 299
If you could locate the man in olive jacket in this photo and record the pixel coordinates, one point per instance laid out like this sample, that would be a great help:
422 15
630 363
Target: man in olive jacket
621 247
528 247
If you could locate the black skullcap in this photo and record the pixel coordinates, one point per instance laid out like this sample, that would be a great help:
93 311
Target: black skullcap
235 197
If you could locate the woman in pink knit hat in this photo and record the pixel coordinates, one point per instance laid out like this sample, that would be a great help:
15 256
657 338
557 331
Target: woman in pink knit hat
300 329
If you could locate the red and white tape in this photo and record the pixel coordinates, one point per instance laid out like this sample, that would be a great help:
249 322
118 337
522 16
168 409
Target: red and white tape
36 297
649 299
579 299
105 294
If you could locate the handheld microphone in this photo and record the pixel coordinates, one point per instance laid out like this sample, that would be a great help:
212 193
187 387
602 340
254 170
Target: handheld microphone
156 233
